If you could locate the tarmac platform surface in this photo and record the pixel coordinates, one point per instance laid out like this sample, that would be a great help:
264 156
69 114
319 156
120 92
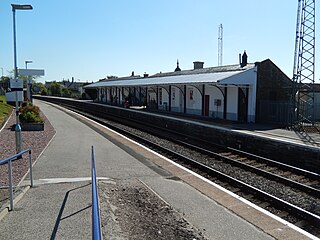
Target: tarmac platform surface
59 206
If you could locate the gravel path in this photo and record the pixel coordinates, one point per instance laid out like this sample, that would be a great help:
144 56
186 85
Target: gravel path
36 140
132 211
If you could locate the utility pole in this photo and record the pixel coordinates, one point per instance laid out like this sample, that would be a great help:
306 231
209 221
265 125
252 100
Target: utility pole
220 45
303 109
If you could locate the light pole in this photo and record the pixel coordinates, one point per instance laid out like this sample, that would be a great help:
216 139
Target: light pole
28 83
17 128
27 63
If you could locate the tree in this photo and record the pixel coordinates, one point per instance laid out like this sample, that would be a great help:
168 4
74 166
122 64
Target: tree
5 83
55 89
66 92
44 91
39 88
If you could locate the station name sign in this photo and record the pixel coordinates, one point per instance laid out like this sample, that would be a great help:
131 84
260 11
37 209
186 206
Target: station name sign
31 72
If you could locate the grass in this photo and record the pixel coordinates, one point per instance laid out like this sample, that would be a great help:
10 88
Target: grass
5 110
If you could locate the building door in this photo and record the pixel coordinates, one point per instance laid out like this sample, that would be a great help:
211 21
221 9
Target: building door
206 105
242 106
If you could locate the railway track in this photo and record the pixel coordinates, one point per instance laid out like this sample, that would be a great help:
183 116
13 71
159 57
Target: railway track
287 191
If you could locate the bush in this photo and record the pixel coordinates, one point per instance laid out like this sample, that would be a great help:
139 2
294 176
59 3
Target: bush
30 114
66 92
43 92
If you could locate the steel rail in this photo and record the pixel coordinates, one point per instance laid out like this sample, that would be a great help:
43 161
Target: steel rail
305 188
313 191
297 211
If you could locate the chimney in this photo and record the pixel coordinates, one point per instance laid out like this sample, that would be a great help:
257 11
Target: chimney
132 74
197 65
244 61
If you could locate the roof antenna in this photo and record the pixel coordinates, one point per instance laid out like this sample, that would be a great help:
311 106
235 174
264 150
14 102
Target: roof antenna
220 45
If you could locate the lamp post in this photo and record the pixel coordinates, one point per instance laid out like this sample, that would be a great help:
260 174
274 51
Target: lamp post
28 83
27 63
17 128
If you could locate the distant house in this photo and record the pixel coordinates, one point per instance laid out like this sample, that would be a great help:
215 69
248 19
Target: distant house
72 86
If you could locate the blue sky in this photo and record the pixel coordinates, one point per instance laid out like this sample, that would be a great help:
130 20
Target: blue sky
89 40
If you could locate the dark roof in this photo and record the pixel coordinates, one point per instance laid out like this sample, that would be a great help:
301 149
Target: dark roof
227 68
203 75
120 78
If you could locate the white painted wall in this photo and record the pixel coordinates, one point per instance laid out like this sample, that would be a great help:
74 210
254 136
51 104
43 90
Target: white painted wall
214 93
232 103
194 100
176 100
248 77
163 101
252 103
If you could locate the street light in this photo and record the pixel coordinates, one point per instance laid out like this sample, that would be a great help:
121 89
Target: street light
27 63
28 83
17 128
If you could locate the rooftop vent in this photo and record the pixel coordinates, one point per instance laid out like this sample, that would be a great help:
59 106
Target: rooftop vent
244 59
198 65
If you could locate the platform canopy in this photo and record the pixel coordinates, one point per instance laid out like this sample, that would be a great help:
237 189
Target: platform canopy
216 77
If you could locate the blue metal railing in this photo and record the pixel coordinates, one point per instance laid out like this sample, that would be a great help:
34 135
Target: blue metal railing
9 161
96 227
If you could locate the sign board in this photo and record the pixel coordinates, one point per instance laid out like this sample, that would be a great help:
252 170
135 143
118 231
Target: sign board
11 96
16 85
31 72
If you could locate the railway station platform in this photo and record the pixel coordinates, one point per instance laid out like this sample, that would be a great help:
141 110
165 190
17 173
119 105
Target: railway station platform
309 139
59 206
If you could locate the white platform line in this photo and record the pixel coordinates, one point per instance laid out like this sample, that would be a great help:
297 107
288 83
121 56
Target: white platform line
63 180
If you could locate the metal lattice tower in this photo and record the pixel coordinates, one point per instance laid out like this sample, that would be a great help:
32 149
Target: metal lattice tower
220 45
304 65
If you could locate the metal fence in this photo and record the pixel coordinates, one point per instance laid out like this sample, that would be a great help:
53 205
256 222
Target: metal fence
278 113
274 112
9 161
96 226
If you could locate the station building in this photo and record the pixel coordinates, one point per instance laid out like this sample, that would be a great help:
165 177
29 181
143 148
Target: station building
246 92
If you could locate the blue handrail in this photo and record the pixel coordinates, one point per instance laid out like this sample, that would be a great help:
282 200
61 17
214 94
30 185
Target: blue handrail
96 227
14 157
9 161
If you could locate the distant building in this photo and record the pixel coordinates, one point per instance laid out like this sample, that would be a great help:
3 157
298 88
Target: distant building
246 92
72 86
